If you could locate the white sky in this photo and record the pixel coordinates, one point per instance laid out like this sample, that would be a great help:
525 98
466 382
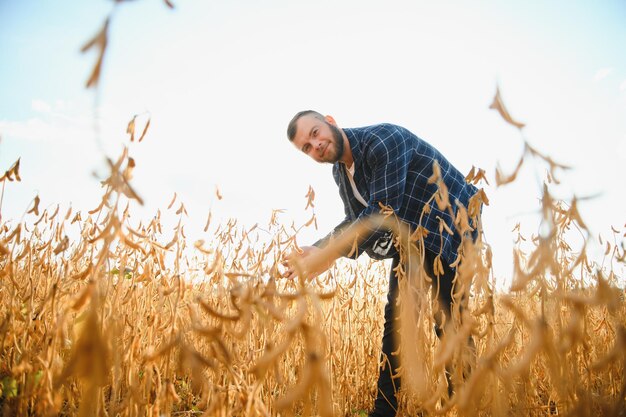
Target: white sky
221 80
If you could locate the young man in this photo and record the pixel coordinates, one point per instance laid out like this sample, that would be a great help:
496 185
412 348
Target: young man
389 165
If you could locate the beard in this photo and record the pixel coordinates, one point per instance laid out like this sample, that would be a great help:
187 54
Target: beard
338 142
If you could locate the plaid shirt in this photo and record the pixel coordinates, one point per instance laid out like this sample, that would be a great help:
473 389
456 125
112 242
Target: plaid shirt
392 167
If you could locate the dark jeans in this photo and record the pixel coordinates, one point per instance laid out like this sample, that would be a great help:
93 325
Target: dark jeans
386 403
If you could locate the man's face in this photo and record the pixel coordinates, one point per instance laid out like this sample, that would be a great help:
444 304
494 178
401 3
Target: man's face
319 139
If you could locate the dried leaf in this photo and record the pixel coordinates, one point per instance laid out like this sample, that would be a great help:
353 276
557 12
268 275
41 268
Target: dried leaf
62 246
419 233
12 172
77 218
35 209
4 250
574 214
474 177
100 40
130 129
16 170
502 179
83 274
172 202
310 221
208 222
145 129
498 105
56 211
444 226
436 177
181 209
310 196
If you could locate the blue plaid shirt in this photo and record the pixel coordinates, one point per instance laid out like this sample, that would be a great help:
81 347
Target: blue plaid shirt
392 167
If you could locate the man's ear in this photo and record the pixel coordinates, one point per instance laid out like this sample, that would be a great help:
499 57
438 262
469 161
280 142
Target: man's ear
330 120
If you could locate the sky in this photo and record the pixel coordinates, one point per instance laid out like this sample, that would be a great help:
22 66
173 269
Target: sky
220 80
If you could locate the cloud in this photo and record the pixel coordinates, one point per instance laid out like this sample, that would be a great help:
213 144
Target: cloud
602 74
48 128
40 106
622 86
31 130
59 122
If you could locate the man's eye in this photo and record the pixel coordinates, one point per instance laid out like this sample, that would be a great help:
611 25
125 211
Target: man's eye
315 133
306 148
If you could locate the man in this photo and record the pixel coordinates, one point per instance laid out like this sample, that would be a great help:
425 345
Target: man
385 164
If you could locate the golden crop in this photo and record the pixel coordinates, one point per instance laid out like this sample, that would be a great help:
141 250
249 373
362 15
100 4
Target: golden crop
120 322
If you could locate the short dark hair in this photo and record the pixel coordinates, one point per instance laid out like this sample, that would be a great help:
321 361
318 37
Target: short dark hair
292 127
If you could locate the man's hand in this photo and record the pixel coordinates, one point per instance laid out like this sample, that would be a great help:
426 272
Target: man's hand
300 262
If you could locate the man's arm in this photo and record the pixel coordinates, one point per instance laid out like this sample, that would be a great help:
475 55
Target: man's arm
323 242
310 261
295 259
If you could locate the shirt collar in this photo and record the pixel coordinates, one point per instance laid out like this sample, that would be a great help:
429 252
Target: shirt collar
355 146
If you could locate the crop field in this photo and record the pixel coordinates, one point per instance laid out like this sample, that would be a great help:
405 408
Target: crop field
126 319
104 314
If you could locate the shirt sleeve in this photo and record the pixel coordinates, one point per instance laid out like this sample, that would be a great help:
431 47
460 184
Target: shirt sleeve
335 232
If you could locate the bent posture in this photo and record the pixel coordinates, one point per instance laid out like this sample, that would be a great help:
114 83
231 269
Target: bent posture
385 164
